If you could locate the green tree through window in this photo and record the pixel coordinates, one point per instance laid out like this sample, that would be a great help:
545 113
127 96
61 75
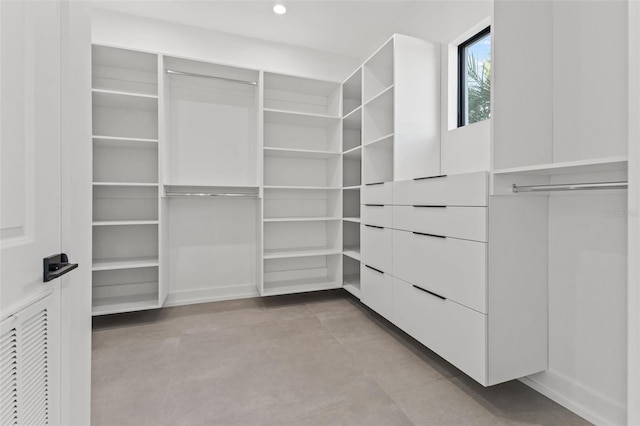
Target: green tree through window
474 78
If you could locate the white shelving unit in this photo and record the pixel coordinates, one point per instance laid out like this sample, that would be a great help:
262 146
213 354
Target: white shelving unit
302 227
125 181
351 180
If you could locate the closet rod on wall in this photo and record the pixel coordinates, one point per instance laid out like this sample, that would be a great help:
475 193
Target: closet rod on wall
190 74
570 187
204 194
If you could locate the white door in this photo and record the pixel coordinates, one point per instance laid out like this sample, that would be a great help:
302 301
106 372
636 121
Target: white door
31 44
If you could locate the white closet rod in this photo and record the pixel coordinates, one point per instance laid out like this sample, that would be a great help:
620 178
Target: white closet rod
190 74
570 187
204 194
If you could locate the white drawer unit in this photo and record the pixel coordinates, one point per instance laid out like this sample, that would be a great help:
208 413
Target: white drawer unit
469 223
469 189
450 267
377 214
458 287
377 290
377 193
376 247
456 333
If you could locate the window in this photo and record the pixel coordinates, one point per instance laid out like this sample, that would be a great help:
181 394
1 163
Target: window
474 78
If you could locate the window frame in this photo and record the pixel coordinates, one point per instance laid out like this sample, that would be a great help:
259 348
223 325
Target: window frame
462 70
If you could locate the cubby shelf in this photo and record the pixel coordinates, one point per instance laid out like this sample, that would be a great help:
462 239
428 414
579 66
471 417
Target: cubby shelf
122 142
353 153
352 114
123 139
298 153
124 184
352 284
128 303
300 252
351 219
380 97
124 222
301 219
124 100
378 140
352 252
273 288
127 263
294 118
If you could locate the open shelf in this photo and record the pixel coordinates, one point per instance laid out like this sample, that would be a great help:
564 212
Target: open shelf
352 92
382 139
299 94
303 119
608 164
124 222
302 219
300 252
351 219
378 72
127 303
352 252
383 98
298 153
122 142
353 153
130 263
352 188
142 184
124 70
274 288
124 100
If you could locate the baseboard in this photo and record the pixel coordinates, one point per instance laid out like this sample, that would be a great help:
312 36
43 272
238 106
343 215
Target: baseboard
190 297
585 402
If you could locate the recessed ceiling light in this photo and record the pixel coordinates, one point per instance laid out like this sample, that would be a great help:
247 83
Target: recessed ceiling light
279 9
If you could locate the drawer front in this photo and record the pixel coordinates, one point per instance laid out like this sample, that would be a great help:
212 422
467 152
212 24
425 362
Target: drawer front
453 268
469 223
456 333
376 247
469 189
376 290
377 214
377 193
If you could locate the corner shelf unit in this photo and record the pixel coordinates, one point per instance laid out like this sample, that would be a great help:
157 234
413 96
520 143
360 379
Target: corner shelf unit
125 189
352 180
302 166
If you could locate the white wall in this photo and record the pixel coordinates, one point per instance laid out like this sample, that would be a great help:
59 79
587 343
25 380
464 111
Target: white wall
139 33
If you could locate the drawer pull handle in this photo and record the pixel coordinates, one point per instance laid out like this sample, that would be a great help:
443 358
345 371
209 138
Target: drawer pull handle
377 270
429 206
374 183
429 235
430 177
374 226
374 205
430 292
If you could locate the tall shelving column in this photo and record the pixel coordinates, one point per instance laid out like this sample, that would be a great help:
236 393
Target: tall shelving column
125 181
352 179
302 169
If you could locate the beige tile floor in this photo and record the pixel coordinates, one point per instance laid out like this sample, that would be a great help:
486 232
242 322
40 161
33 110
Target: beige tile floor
313 359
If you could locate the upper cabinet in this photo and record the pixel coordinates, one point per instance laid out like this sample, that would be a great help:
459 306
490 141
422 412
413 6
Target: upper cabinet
400 119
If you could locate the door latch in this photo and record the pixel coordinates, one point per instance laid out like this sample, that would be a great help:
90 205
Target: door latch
56 266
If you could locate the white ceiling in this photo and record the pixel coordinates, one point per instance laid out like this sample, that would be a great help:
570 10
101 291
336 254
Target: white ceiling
348 27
